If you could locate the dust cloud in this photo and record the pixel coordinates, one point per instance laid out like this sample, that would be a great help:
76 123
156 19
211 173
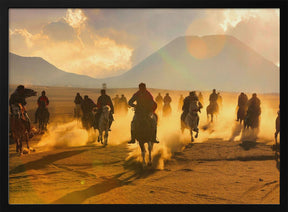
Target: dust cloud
171 139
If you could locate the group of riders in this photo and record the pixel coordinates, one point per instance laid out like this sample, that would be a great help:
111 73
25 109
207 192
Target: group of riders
145 107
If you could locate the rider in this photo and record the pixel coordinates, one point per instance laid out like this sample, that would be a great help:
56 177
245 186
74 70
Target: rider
87 105
213 99
159 101
167 99
42 101
145 106
254 105
116 100
186 105
78 100
242 102
123 104
103 100
17 102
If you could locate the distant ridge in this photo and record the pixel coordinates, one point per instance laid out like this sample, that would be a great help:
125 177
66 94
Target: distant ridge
186 63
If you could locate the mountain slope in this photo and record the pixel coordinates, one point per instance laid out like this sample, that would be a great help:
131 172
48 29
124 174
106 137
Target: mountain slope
186 63
37 71
202 63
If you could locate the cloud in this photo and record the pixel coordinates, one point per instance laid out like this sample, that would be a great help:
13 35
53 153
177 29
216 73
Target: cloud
59 31
73 46
257 28
107 42
75 18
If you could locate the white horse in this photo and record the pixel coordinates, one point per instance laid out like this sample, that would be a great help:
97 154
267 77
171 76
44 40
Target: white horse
192 119
104 124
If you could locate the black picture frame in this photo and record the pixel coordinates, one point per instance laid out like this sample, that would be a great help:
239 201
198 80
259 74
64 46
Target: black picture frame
5 5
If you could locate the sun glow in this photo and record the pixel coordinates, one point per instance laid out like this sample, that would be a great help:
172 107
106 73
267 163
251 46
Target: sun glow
75 18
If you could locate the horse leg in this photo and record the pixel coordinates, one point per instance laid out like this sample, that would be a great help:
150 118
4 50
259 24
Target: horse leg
191 133
17 145
20 145
211 117
27 140
150 147
100 136
143 151
106 137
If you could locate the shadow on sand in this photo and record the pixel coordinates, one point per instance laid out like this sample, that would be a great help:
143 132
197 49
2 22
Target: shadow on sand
134 171
44 161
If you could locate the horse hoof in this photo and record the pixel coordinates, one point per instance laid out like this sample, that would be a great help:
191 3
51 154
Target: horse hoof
150 164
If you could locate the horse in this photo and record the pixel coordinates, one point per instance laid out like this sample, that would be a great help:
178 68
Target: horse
167 109
103 125
87 120
77 111
192 120
145 129
241 113
43 117
212 109
277 127
252 118
19 130
276 146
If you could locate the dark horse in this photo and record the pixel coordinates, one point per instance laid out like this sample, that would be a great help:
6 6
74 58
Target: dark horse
277 145
241 113
144 131
252 118
19 132
88 120
212 109
43 116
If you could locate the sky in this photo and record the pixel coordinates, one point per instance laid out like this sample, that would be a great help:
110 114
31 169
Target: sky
109 42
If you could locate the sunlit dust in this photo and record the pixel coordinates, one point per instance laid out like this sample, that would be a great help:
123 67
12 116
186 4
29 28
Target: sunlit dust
224 128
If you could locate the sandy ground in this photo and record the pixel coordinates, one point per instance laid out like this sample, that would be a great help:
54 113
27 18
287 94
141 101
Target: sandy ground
70 166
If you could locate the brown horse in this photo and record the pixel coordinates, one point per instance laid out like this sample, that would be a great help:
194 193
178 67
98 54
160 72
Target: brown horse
241 113
212 109
144 130
19 132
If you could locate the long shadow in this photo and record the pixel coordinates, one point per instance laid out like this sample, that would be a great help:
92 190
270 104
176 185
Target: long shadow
138 171
44 161
77 197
